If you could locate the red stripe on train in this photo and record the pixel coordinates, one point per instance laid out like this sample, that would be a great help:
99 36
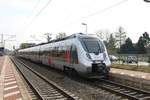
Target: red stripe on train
49 60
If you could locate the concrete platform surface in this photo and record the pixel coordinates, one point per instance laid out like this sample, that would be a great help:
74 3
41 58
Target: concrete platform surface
131 73
11 85
1 63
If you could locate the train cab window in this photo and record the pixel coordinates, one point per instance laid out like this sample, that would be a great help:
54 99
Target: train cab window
92 45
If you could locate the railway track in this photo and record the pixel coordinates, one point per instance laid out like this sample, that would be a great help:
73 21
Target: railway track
122 91
44 88
127 92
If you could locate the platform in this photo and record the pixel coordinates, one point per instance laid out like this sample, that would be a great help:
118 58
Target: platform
131 73
11 85
135 79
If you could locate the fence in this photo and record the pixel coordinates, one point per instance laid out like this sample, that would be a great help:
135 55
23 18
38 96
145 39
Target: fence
137 59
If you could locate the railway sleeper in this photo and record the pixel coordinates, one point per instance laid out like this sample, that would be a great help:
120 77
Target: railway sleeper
121 90
127 91
116 88
140 96
145 98
55 97
132 93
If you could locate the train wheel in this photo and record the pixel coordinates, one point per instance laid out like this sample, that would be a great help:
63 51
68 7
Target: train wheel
64 69
69 71
74 73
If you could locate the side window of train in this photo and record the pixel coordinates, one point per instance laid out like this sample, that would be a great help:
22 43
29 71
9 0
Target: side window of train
53 51
50 51
59 51
47 51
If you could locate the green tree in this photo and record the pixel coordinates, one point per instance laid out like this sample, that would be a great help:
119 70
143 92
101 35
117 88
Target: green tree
23 45
26 45
127 47
111 45
61 35
146 39
141 45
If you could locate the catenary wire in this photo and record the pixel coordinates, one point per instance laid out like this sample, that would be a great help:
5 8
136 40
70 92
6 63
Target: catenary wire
98 12
36 15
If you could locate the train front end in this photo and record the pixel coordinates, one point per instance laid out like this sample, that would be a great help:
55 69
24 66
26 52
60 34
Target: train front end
94 58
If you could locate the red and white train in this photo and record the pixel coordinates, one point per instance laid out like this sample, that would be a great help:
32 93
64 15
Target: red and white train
83 53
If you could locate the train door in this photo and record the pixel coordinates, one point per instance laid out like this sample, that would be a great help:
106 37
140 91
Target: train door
73 55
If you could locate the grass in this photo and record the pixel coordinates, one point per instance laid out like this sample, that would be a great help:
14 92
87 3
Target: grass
132 67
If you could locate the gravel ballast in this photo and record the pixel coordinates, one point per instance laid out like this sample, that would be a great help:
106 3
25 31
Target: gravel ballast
77 86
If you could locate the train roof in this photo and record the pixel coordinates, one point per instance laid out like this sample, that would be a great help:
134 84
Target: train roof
70 37
65 38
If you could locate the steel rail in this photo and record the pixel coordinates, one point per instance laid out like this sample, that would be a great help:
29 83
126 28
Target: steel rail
57 90
122 90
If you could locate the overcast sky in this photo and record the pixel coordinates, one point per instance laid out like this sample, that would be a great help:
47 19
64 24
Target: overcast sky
30 19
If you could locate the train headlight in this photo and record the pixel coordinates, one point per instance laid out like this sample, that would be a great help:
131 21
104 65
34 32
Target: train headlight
88 55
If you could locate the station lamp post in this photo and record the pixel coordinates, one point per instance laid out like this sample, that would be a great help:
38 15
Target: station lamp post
85 26
8 39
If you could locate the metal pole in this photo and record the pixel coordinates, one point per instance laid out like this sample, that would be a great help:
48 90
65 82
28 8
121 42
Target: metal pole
2 40
86 28
4 43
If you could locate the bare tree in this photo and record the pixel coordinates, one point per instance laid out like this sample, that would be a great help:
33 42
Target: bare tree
120 36
48 36
100 34
61 35
107 35
103 34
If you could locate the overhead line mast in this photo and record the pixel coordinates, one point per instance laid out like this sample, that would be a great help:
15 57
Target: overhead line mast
7 39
